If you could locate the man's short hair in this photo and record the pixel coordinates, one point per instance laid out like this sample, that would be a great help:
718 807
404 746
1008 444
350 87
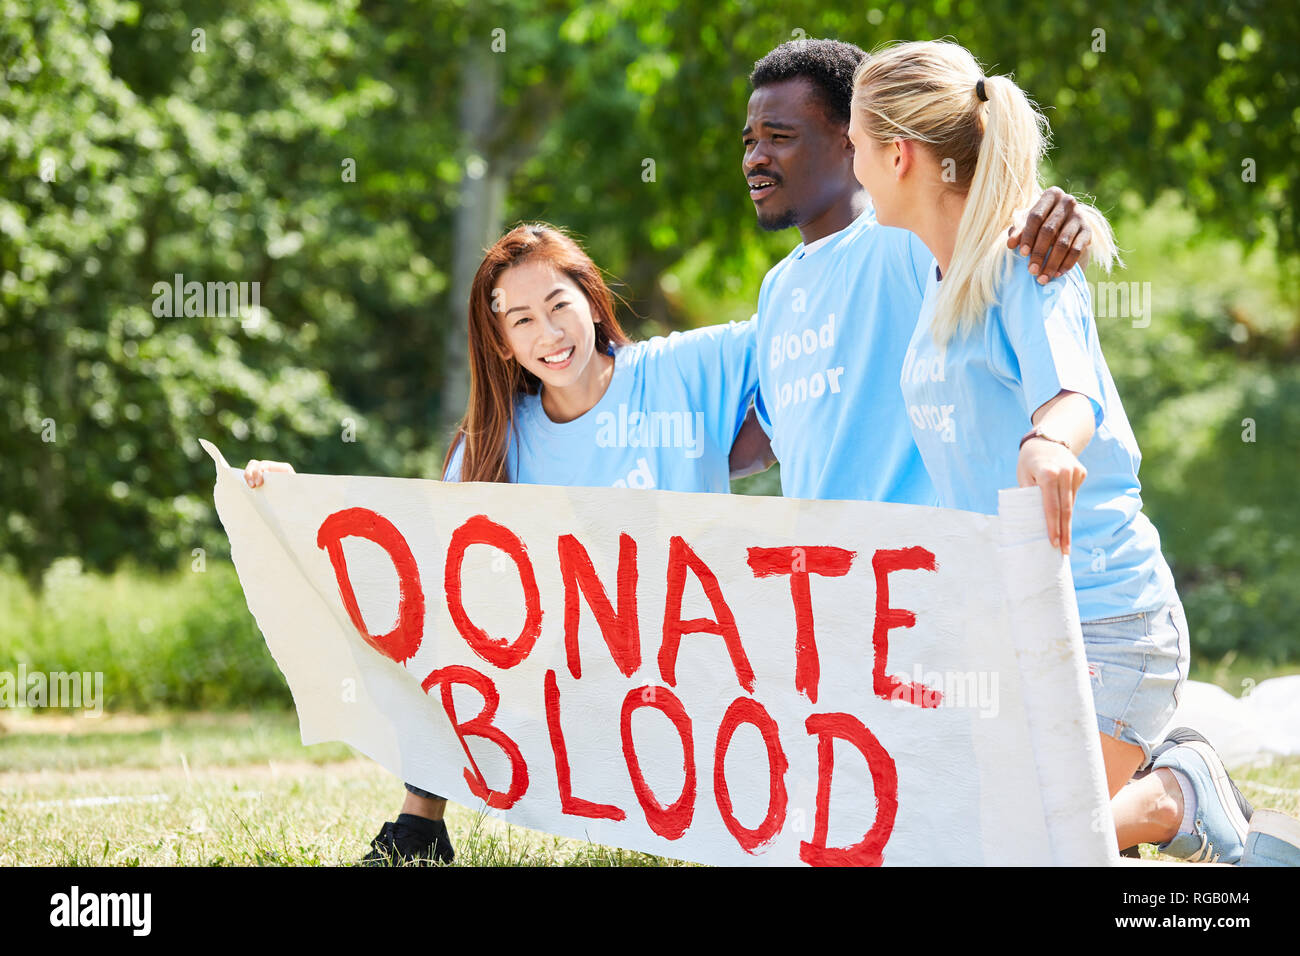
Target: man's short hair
828 64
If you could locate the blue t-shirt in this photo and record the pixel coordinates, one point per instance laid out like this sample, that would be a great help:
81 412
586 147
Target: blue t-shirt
970 403
667 420
833 326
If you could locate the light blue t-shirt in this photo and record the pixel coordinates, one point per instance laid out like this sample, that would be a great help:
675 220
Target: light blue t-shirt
667 420
970 403
833 326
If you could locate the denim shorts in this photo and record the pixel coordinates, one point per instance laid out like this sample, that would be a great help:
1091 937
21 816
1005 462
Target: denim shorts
1137 664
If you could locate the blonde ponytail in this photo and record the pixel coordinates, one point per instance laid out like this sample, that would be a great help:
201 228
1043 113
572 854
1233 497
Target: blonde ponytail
929 92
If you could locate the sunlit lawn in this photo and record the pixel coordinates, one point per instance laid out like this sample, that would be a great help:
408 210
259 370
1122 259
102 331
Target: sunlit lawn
240 789
213 790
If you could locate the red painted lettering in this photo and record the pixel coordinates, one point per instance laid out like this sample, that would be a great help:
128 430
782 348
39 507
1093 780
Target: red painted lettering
481 726
401 643
680 559
749 711
496 651
669 822
799 563
869 850
889 686
620 629
574 806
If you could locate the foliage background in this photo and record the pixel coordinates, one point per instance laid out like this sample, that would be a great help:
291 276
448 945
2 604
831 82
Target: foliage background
221 154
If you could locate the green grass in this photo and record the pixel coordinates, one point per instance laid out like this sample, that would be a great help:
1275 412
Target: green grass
241 790
71 744
222 790
183 640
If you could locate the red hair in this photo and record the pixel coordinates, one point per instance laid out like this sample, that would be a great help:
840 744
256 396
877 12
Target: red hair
496 378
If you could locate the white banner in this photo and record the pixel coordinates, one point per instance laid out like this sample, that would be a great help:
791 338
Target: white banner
718 678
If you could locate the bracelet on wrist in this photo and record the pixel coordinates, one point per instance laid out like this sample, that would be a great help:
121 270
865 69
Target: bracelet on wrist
1036 432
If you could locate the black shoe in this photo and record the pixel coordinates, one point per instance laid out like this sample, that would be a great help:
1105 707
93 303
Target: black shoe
411 841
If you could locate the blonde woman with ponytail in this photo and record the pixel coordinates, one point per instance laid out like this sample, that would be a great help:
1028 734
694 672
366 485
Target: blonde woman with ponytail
1005 385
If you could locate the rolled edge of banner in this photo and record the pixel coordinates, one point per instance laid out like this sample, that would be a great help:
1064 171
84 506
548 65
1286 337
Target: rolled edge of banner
1020 516
214 453
1053 674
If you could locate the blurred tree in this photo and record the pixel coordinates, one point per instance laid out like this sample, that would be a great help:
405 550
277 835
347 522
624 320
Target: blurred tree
227 172
353 159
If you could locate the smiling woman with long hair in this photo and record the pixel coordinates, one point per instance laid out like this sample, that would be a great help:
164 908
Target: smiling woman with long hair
559 395
500 379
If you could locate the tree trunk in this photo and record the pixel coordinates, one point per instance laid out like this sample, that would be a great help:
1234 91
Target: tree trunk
479 220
